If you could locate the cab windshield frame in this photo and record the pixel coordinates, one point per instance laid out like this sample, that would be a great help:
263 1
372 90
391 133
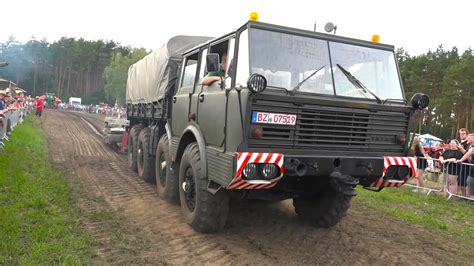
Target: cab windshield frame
330 68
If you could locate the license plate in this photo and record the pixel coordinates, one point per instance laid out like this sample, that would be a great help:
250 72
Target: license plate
273 118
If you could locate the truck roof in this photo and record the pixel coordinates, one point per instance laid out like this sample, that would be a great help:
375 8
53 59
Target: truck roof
308 33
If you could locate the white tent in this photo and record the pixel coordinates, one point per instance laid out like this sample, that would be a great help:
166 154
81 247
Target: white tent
430 137
429 140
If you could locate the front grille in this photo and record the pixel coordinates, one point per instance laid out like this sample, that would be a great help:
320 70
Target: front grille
328 128
321 128
278 135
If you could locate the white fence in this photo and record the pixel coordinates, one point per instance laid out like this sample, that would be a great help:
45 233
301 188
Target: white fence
449 178
8 121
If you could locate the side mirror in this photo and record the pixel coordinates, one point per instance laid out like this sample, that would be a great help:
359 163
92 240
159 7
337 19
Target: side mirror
212 62
420 101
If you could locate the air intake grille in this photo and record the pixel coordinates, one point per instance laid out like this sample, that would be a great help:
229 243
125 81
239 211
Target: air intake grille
324 128
332 128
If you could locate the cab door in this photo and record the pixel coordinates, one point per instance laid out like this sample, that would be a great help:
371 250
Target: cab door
181 101
212 100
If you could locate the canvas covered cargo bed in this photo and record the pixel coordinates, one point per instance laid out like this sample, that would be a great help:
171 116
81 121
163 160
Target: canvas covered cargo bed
154 77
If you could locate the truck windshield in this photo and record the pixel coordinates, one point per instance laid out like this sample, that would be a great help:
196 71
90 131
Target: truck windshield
286 60
375 68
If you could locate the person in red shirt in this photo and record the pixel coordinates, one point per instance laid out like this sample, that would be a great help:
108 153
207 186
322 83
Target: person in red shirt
39 108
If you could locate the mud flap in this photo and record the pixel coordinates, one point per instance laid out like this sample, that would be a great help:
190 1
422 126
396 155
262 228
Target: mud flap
344 184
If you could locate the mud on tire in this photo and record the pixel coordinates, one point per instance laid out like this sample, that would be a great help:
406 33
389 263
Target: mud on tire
324 210
145 162
203 211
166 182
133 146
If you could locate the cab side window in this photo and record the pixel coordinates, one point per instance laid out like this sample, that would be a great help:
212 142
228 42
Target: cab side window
225 49
189 73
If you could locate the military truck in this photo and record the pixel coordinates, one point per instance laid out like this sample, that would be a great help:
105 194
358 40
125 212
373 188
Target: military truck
291 114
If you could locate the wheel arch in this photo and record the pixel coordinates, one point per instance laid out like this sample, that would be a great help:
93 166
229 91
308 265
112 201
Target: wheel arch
192 133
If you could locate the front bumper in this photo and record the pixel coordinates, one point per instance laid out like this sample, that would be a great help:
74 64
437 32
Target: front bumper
371 172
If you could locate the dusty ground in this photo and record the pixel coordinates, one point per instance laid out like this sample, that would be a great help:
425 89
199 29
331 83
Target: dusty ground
132 225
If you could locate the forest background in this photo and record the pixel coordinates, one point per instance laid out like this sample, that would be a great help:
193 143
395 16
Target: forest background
97 72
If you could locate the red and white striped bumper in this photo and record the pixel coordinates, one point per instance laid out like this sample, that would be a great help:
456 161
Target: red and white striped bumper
394 160
243 158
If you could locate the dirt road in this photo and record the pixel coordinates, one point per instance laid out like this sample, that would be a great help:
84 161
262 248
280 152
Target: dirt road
151 230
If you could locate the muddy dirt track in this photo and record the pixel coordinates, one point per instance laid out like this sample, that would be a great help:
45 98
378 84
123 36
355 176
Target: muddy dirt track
153 231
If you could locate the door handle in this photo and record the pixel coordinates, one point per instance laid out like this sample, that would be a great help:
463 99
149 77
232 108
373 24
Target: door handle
174 99
201 98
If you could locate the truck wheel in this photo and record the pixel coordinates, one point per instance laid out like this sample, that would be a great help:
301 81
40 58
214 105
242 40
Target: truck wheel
324 210
145 162
166 182
132 147
203 211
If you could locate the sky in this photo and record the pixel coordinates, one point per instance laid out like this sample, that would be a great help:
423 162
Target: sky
417 26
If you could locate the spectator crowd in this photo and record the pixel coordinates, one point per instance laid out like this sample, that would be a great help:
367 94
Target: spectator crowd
455 158
13 108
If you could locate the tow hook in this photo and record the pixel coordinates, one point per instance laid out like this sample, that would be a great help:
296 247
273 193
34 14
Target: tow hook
294 167
343 183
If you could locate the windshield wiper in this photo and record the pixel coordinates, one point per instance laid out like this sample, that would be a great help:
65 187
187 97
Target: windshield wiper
298 86
280 88
354 81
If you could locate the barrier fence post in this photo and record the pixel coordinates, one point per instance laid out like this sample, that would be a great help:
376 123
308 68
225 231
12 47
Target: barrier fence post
428 167
4 127
460 180
8 121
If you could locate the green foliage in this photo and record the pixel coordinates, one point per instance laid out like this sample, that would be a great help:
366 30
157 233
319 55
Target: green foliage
447 78
97 96
67 67
37 221
116 72
459 89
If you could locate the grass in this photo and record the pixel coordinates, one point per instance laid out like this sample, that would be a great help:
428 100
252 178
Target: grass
38 222
434 212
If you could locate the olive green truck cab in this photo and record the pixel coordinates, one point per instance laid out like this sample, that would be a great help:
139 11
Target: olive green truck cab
290 114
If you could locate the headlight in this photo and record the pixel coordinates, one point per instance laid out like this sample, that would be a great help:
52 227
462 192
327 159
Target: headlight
403 172
269 171
391 171
265 171
256 83
250 171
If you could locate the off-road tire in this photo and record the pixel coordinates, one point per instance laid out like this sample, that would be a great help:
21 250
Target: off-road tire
133 146
210 211
324 210
166 182
145 162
